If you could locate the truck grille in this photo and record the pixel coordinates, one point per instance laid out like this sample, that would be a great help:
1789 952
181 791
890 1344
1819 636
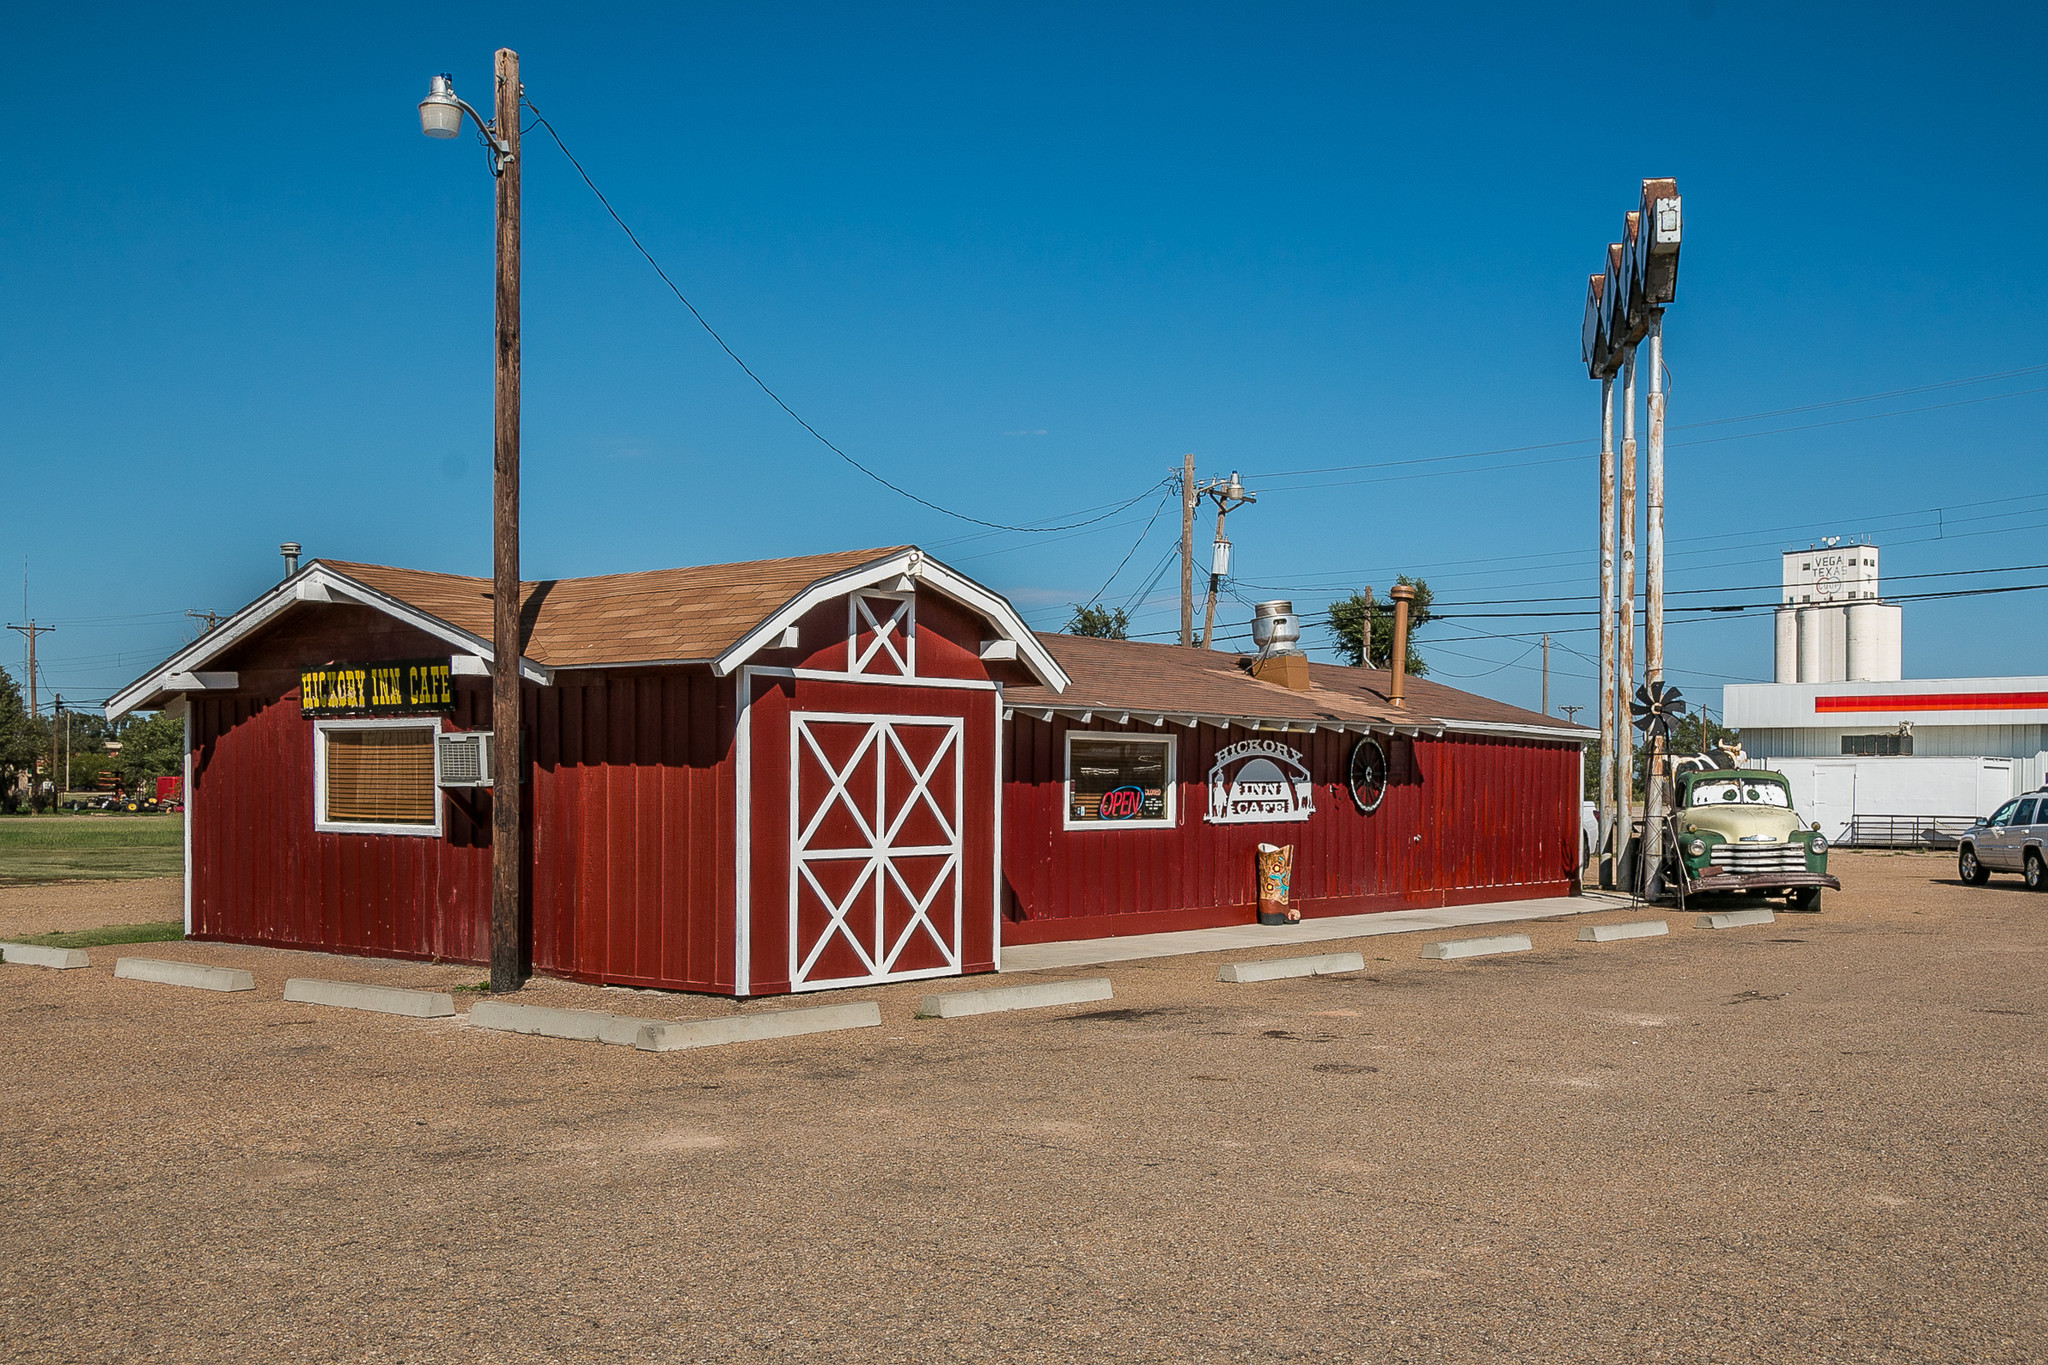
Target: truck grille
1742 858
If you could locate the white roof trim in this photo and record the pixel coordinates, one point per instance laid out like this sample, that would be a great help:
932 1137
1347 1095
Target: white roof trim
884 572
314 583
1490 727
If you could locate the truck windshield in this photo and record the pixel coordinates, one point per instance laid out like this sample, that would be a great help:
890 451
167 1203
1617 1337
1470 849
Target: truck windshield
1727 791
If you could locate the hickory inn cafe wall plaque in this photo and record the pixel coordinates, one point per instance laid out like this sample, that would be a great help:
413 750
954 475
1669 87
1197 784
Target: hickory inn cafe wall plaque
392 687
1259 781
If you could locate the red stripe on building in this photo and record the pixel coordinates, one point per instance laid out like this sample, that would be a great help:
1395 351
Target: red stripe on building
1937 701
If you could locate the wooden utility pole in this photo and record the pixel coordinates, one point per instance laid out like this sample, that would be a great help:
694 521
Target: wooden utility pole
1365 627
508 965
31 630
1187 550
1209 611
1546 674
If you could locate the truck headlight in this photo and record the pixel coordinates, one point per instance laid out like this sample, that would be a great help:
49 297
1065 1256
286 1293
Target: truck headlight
1819 844
1696 848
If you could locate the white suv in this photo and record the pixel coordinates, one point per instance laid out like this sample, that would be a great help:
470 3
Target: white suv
2010 839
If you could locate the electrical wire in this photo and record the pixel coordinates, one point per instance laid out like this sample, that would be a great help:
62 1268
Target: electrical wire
762 384
1747 587
1711 422
1149 524
1746 607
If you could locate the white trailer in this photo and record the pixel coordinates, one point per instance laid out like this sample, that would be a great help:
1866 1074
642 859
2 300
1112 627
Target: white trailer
1896 802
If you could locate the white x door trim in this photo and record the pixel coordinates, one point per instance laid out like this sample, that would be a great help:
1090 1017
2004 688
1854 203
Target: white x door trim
857 918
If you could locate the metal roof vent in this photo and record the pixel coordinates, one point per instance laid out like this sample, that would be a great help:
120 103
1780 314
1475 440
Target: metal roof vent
1275 628
1277 632
290 551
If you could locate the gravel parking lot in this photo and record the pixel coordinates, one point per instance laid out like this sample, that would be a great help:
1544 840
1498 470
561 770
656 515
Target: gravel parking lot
1818 1140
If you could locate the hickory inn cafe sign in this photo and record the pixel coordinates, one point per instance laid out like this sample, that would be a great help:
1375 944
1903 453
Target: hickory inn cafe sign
1259 781
393 687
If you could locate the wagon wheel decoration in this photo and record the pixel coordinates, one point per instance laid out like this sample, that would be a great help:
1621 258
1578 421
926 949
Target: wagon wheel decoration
1655 708
1367 777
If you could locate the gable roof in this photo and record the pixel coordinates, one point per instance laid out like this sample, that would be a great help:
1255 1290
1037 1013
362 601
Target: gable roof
1148 681
660 616
716 614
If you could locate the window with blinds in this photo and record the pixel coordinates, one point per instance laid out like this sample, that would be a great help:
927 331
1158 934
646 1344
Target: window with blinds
381 775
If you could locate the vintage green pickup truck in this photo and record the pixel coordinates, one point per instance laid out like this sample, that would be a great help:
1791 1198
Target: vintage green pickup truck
1736 831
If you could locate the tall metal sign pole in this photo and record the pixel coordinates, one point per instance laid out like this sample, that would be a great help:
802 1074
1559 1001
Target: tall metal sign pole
1653 601
1605 845
1625 619
1625 307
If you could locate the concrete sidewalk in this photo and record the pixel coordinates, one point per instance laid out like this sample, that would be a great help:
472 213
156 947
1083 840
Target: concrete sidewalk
1036 957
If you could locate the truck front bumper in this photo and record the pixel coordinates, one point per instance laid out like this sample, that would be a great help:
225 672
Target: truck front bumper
1713 879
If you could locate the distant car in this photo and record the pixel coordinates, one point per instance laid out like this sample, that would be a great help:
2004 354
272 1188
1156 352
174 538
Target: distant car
2010 839
1737 832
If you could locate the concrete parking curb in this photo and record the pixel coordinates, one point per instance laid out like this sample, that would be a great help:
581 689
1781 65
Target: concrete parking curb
748 1028
1735 919
191 974
1610 933
1279 968
352 995
582 1026
1477 947
31 955
958 1004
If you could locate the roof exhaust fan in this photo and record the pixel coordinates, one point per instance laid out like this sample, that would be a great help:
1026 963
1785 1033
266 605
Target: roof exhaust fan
1276 630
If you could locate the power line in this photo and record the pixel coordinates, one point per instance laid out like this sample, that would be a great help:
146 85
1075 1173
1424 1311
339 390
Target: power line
1339 580
762 384
1750 607
1693 426
1149 524
1748 587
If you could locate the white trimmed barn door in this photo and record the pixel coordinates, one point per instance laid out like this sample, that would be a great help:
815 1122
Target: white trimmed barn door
875 805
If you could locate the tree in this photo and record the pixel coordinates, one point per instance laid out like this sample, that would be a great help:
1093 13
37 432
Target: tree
150 748
1346 620
1697 733
17 741
1104 623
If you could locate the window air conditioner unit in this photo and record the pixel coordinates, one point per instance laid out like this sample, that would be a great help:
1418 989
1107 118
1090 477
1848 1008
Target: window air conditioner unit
463 759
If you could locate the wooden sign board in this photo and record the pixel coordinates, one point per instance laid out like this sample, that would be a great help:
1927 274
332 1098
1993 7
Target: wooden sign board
391 687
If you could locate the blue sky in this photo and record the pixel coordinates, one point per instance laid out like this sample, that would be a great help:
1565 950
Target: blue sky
1019 259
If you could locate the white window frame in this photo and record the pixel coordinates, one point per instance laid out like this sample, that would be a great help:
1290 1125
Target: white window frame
321 729
1171 820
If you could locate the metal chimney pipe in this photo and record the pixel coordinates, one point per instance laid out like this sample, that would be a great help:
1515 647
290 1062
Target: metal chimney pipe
1397 683
290 551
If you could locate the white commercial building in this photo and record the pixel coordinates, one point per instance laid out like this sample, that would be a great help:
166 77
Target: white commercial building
1874 758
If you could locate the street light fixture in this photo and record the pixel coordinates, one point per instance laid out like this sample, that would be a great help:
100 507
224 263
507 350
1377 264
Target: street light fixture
441 117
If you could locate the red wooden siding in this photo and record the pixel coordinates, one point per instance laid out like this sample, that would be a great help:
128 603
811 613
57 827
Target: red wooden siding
770 718
262 874
632 828
1465 818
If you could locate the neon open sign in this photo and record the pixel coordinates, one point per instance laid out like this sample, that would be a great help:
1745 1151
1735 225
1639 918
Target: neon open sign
1122 803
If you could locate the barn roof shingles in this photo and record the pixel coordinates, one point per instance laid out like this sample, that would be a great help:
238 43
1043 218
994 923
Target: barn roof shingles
698 612
656 616
1123 675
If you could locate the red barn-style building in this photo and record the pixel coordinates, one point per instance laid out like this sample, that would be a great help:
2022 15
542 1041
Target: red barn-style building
796 774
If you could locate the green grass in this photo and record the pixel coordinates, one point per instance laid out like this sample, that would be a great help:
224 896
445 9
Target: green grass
50 848
165 931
